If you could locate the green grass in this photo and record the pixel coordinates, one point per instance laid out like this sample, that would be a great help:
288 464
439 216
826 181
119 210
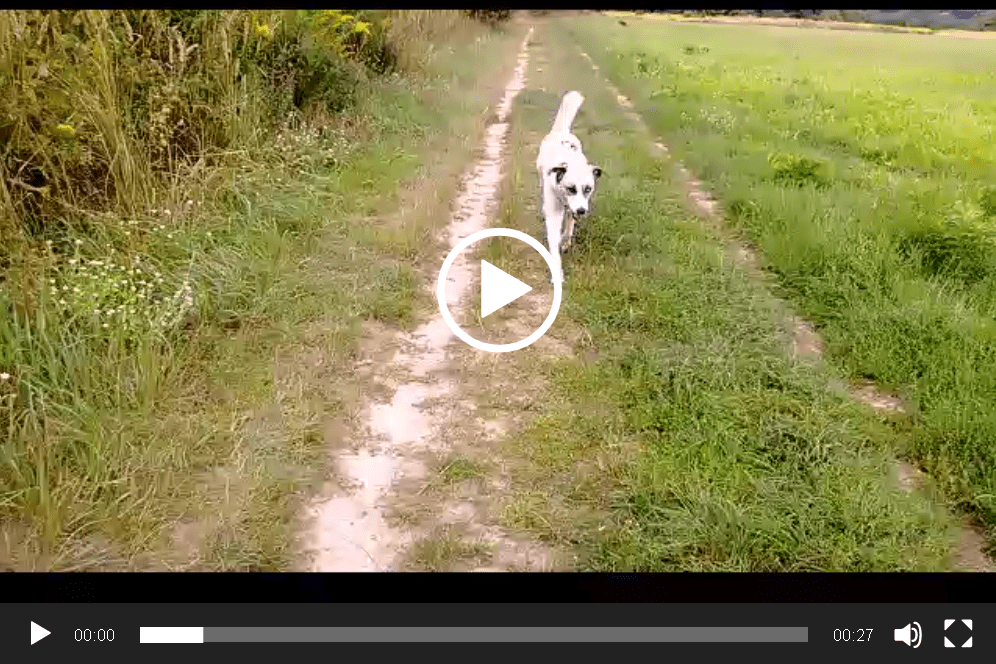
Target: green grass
677 434
192 445
861 165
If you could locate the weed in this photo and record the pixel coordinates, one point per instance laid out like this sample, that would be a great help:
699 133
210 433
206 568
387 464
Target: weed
795 170
954 248
987 201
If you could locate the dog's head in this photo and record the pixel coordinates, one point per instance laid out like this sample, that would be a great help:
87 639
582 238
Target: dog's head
575 183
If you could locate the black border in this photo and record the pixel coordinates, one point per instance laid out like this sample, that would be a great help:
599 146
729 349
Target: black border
495 587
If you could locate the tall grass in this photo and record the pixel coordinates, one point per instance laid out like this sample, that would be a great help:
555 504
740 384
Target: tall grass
107 108
133 236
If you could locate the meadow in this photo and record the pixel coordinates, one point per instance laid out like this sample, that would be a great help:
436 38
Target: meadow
860 165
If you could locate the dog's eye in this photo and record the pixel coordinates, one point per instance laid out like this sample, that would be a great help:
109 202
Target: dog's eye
572 190
587 190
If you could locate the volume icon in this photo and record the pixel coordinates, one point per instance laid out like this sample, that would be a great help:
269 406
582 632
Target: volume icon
910 635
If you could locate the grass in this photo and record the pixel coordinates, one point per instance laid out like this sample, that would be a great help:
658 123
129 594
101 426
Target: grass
190 445
442 549
677 434
864 177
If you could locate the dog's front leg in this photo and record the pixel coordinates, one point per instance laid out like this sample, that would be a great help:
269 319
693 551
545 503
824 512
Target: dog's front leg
553 217
569 235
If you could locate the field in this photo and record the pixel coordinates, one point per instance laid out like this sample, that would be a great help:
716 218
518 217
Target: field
220 348
860 165
674 432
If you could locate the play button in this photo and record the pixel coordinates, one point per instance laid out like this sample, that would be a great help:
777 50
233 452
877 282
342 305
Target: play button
499 288
38 633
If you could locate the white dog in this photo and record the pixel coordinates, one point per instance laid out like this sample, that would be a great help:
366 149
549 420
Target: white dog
567 180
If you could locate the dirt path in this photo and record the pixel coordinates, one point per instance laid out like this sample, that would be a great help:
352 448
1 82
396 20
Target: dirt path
376 516
805 343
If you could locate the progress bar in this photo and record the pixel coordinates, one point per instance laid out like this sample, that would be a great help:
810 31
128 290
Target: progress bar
474 635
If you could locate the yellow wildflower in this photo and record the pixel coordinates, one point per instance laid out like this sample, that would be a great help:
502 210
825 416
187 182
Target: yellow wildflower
263 30
65 131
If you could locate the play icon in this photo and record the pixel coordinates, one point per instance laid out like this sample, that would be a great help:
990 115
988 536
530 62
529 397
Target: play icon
38 633
498 288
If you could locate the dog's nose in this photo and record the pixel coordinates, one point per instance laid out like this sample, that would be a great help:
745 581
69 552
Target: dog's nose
580 212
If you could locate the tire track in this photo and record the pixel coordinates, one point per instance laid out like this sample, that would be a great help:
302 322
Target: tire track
354 528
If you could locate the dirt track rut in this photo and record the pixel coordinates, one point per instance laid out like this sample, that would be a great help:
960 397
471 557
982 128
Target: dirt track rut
355 525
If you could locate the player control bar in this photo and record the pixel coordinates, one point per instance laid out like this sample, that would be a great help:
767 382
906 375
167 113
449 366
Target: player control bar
474 635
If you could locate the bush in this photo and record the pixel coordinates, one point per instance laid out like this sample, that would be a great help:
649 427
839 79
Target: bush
101 108
987 201
492 17
854 15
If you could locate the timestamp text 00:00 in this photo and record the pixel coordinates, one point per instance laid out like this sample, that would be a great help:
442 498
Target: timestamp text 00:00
94 635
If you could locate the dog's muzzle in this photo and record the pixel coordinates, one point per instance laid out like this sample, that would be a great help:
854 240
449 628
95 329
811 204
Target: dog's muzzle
580 212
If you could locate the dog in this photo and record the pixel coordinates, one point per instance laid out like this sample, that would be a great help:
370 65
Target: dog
567 180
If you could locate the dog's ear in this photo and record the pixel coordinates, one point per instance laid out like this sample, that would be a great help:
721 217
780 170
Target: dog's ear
559 171
596 171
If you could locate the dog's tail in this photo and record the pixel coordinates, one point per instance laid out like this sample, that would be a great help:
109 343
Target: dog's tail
568 110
